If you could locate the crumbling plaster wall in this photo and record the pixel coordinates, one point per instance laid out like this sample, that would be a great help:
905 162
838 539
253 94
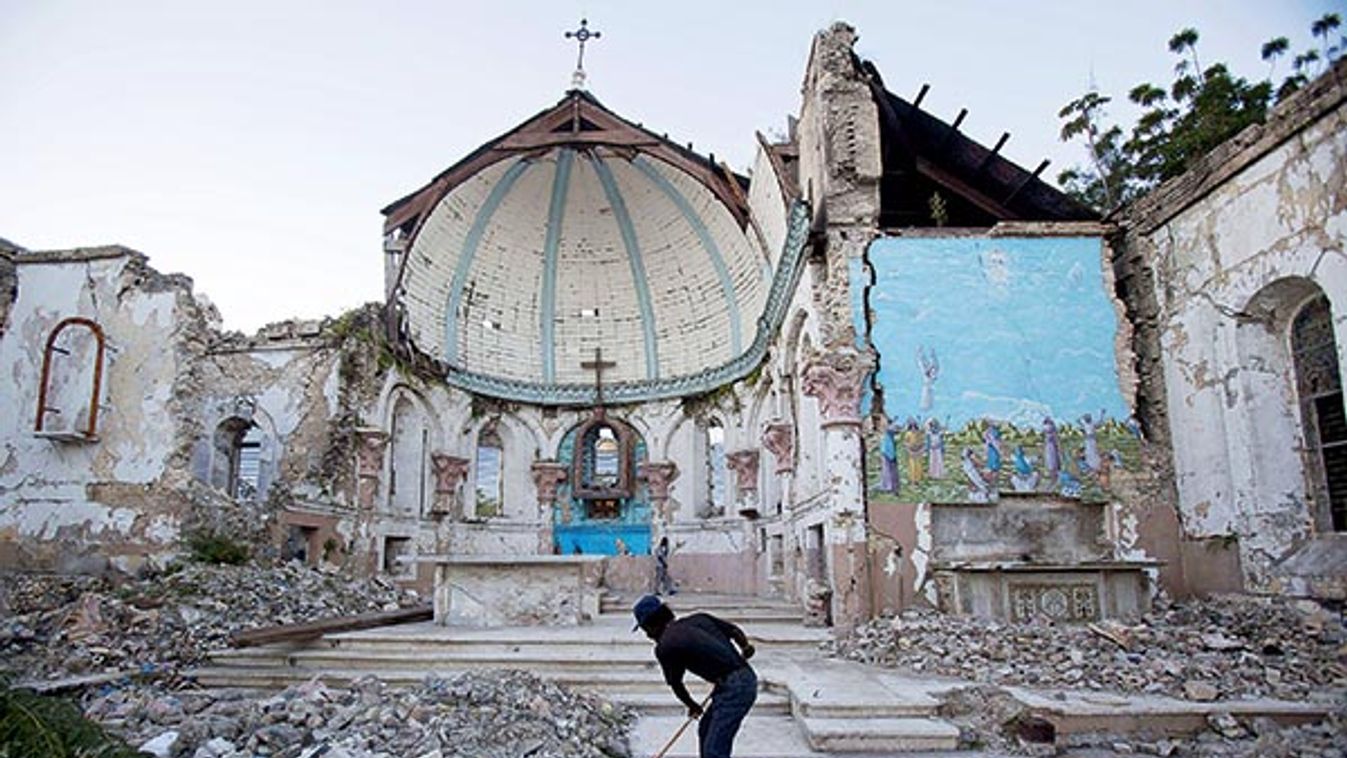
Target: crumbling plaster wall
839 169
111 502
1201 262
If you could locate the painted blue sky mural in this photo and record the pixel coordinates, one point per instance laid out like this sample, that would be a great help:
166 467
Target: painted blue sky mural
1011 329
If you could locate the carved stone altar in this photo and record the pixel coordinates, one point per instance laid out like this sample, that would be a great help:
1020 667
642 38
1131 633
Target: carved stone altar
516 590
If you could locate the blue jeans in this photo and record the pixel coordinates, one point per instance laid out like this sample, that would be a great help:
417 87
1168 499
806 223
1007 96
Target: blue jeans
730 701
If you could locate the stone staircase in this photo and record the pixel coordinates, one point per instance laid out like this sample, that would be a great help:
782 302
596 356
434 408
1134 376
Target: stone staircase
807 705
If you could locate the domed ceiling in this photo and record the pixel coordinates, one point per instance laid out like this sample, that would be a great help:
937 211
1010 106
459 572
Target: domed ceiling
576 233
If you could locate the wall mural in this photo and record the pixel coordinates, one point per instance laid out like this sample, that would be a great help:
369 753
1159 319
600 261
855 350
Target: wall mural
996 369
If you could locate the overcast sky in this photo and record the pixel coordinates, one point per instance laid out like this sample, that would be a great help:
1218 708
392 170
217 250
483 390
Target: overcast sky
250 144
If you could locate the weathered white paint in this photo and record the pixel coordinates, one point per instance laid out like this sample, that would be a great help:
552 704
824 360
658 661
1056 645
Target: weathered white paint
1236 265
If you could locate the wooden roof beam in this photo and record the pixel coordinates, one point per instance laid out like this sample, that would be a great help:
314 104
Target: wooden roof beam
965 190
1025 182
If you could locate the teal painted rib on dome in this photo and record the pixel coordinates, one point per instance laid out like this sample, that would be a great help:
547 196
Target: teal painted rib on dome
547 311
708 244
638 275
469 252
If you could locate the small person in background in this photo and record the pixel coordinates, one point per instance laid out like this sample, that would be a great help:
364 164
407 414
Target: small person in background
664 584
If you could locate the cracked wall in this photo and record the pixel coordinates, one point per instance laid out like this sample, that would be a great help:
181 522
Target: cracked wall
1213 266
89 505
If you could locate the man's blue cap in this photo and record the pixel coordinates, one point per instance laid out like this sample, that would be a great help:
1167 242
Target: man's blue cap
645 608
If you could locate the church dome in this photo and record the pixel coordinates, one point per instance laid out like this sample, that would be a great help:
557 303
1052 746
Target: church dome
575 233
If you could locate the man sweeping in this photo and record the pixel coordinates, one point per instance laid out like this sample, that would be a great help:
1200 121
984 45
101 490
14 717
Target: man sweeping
704 645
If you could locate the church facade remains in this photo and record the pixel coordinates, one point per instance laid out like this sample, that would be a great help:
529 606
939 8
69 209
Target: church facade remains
889 367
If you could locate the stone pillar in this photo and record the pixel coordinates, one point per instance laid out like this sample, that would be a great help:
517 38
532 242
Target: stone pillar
658 476
370 444
447 507
744 464
779 439
836 378
547 476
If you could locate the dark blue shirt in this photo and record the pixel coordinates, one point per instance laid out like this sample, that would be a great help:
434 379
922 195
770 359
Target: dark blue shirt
700 643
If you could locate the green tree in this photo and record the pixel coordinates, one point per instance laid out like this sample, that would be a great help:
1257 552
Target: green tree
1199 110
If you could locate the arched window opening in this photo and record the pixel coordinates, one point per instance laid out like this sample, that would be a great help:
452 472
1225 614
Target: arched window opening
1314 351
490 461
407 474
72 378
237 463
717 470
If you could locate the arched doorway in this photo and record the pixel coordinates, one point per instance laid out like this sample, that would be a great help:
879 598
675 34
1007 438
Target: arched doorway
602 509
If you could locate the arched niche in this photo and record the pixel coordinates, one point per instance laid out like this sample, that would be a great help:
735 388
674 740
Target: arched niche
410 439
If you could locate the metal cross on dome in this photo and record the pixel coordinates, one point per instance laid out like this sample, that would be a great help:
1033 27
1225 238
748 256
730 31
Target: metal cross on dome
583 35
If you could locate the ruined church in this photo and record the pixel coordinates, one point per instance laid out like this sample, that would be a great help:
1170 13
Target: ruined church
888 367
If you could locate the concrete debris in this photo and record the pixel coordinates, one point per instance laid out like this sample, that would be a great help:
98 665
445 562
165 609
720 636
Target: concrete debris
61 626
1219 648
495 714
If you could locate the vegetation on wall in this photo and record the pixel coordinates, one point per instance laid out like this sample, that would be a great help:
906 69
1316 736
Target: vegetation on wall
212 547
1202 108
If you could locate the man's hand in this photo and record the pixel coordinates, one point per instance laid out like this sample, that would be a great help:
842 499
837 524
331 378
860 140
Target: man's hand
694 711
749 650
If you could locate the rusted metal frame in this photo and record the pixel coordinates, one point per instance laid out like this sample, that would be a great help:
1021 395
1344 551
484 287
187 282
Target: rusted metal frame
626 443
46 372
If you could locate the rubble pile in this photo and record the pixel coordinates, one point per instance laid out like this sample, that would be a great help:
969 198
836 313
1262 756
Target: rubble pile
1214 649
991 718
497 714
55 626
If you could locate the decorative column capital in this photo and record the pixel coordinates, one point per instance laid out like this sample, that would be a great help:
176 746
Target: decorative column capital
370 444
658 476
450 471
744 464
547 477
779 439
835 378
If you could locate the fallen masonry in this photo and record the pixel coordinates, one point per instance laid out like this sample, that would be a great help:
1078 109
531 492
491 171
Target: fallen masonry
122 648
59 626
1220 648
1226 655
490 714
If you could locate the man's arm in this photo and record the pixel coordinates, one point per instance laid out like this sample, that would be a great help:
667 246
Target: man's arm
674 677
735 633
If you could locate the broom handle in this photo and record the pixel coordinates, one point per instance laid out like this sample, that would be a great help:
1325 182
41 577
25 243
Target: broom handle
680 731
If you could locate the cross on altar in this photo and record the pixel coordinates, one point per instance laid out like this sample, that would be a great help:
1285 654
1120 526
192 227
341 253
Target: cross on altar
598 365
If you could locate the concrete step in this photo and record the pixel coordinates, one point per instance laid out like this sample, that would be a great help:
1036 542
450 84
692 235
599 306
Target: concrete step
761 736
664 703
891 735
538 661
